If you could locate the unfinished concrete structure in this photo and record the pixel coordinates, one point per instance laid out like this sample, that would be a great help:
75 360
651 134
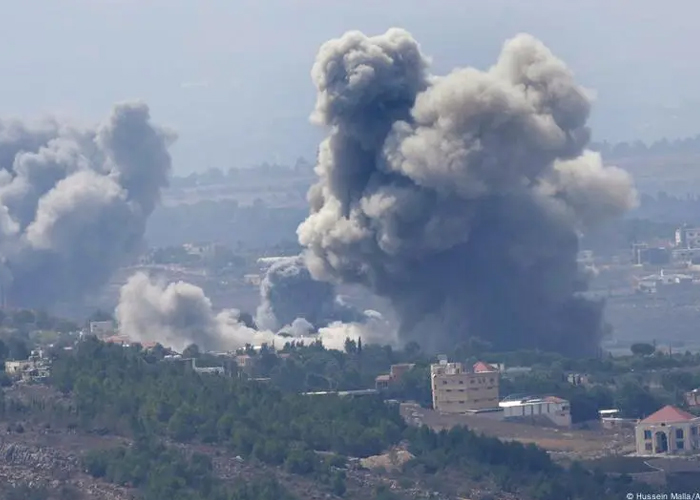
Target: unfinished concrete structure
458 390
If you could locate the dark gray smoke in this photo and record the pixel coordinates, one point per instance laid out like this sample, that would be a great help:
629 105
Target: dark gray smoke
74 203
459 197
289 293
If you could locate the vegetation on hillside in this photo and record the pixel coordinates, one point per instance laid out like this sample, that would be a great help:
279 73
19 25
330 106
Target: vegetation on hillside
162 473
137 393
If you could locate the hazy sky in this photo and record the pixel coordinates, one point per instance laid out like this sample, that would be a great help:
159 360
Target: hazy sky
232 76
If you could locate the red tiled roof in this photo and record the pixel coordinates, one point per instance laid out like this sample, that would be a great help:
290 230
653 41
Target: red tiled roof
480 367
668 414
117 339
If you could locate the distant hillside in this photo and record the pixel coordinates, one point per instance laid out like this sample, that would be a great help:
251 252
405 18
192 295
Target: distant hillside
670 166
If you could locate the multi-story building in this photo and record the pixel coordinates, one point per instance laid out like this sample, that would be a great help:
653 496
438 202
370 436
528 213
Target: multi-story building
36 367
458 390
246 365
669 431
688 237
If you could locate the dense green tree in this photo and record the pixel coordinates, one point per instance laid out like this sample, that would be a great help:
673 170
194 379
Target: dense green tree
23 317
636 401
642 349
17 348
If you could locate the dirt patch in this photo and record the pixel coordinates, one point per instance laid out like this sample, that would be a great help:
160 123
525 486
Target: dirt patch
575 443
25 460
392 460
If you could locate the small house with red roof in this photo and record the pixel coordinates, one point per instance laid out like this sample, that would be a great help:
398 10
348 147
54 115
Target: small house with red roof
669 431
457 389
384 381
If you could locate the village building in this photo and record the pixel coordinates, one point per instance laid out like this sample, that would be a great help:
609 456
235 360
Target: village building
35 368
669 431
246 365
610 419
383 382
549 410
458 390
692 398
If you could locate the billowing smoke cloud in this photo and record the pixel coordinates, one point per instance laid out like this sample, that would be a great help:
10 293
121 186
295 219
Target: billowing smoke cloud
74 203
180 314
460 197
292 299
175 314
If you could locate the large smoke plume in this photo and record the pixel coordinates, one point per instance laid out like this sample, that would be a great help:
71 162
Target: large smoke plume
460 197
74 202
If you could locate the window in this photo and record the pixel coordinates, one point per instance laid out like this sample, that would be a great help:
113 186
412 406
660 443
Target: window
679 433
448 390
647 446
694 431
444 382
461 402
647 434
471 381
461 382
679 445
491 380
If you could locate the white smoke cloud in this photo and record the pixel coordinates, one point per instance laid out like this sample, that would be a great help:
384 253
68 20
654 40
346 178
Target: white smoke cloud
179 314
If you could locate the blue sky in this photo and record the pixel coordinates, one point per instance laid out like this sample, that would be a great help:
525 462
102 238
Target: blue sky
232 76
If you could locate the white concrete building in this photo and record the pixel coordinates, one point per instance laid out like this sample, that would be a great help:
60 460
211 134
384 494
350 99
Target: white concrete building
681 255
688 237
552 408
669 431
15 368
458 390
34 368
212 370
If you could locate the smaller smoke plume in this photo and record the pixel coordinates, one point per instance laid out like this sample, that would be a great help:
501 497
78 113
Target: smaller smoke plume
74 203
179 314
291 299
176 315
